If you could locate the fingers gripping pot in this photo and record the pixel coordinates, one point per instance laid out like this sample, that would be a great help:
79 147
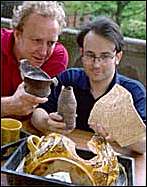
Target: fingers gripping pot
67 106
37 82
56 153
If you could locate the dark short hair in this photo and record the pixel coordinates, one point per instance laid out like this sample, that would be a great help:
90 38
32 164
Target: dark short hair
104 27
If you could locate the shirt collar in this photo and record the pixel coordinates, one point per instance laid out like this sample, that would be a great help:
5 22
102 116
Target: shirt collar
115 80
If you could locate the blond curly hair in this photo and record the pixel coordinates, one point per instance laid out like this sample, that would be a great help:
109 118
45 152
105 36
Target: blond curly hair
51 9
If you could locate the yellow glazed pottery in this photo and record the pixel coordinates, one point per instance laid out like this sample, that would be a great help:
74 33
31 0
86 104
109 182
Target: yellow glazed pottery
55 153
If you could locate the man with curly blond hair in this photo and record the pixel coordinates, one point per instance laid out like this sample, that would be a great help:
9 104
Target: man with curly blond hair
36 26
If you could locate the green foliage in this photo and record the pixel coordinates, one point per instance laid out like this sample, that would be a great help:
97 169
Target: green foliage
134 20
130 15
69 41
5 25
136 29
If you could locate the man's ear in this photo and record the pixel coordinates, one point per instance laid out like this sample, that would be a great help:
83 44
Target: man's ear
17 34
118 57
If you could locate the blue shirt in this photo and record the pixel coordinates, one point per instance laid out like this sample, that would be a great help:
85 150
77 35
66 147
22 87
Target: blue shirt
77 78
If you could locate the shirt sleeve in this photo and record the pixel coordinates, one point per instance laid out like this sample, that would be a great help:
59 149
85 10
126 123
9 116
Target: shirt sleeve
139 97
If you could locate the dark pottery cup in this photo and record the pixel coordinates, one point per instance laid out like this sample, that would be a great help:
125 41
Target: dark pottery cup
37 82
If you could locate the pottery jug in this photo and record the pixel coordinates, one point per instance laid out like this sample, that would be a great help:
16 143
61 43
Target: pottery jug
67 106
37 82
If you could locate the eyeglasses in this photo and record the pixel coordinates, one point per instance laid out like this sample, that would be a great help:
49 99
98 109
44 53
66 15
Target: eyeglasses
103 58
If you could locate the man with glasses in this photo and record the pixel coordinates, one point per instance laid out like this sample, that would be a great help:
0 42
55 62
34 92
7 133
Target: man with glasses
36 28
101 44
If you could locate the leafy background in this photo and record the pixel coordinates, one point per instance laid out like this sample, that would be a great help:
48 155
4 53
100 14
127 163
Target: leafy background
130 15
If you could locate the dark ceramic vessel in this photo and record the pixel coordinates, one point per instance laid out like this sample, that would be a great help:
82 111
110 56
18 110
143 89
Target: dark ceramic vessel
36 81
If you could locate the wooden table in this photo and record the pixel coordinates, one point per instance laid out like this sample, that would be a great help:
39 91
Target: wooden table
81 138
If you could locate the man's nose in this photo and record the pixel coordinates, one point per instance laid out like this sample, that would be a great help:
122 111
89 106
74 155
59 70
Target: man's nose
44 49
97 62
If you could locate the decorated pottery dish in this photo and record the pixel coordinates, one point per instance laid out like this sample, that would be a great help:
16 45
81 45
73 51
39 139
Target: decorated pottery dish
57 153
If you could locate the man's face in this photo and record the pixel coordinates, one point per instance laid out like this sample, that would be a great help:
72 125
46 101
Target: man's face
37 39
103 68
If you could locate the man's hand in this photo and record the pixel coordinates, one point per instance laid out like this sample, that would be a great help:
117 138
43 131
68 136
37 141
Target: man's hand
45 122
98 128
56 123
138 147
21 103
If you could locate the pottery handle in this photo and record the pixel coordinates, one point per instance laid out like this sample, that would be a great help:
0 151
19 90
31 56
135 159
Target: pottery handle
55 81
33 143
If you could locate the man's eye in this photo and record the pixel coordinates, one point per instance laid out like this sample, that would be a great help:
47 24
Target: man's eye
89 55
51 43
104 57
36 40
